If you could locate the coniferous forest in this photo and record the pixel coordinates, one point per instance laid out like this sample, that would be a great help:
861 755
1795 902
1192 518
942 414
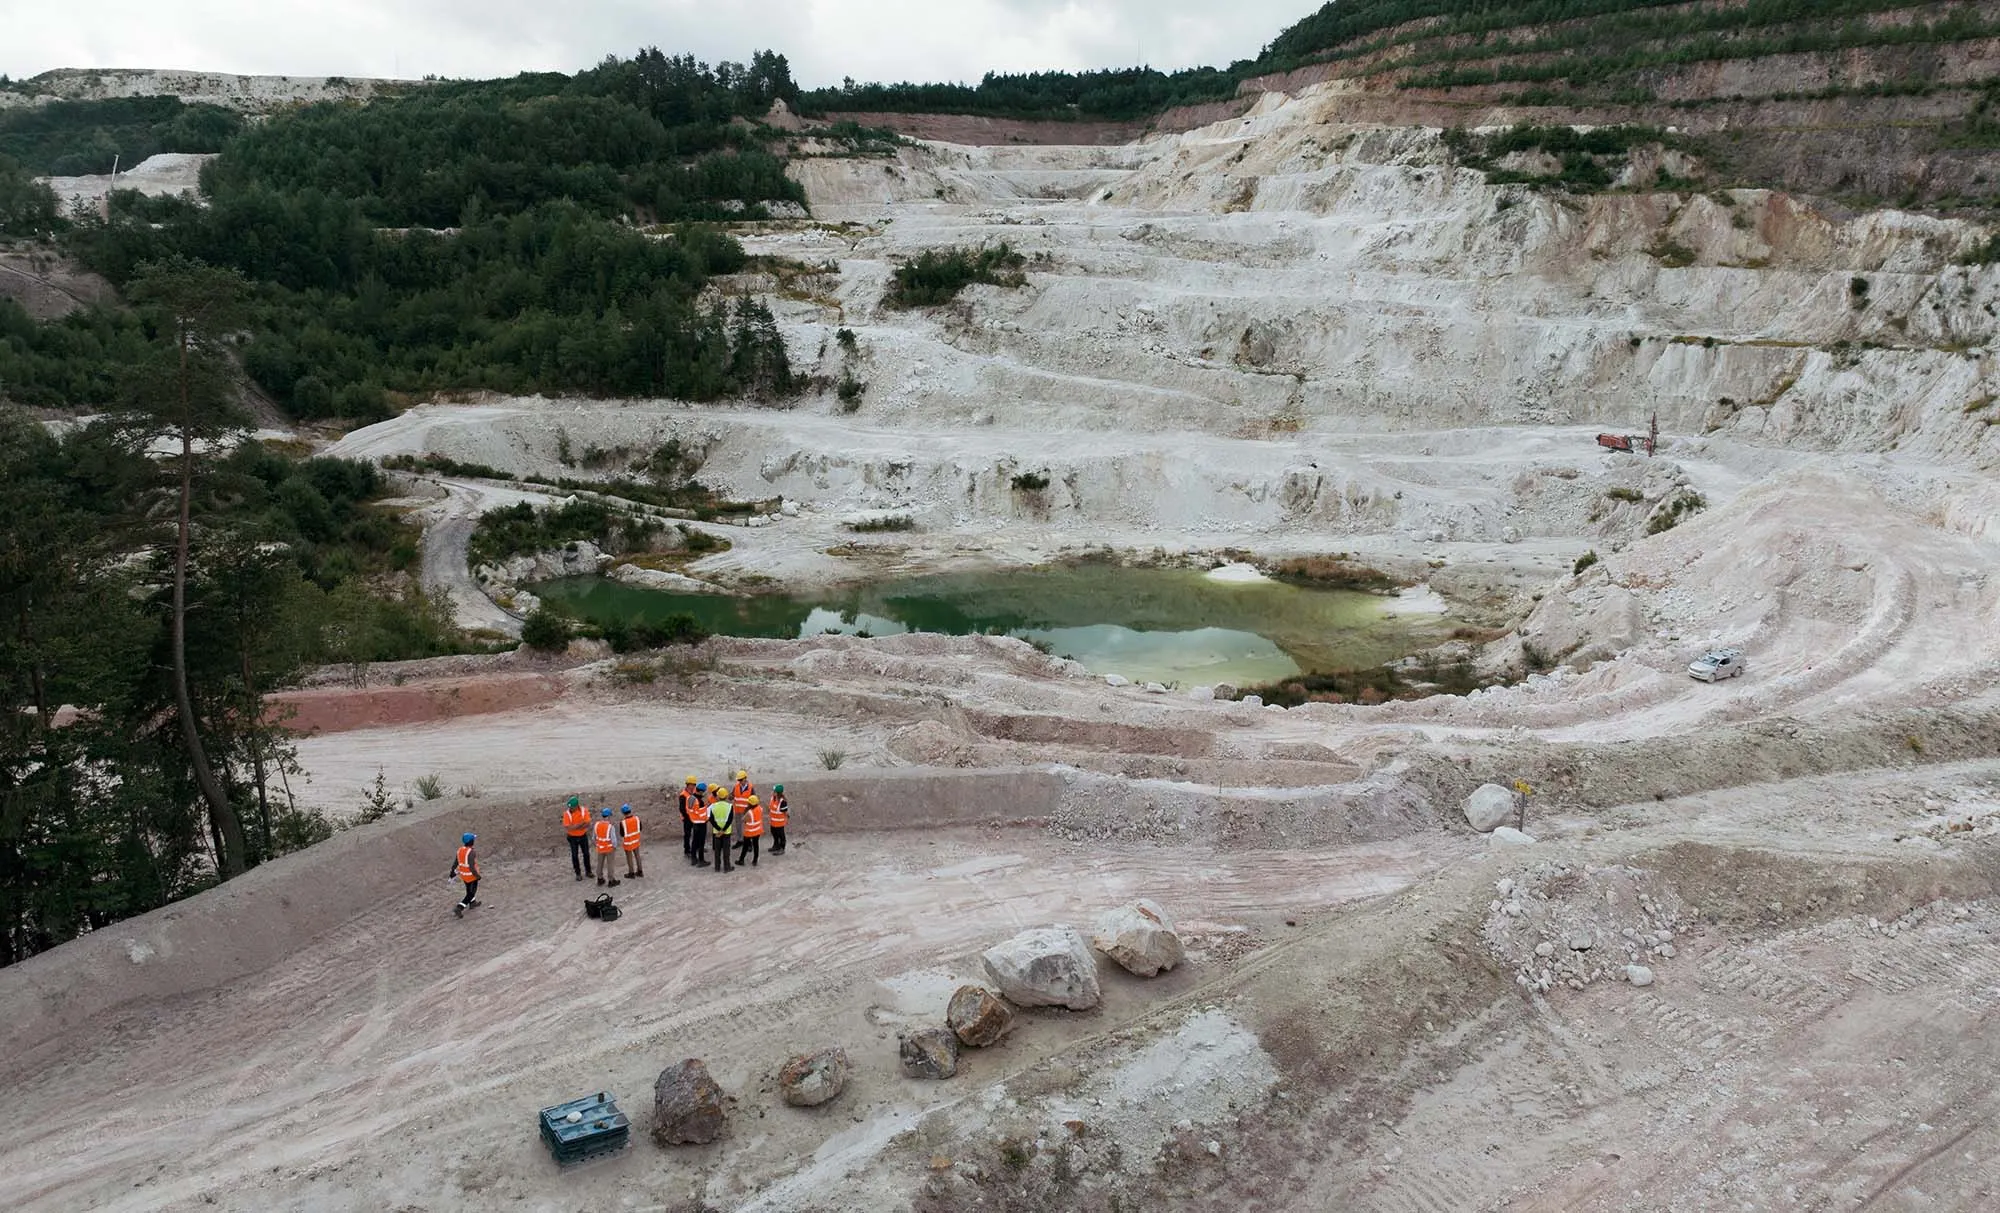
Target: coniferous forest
546 233
157 578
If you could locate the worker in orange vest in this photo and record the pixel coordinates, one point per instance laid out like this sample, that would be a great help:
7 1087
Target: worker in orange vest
753 832
686 798
743 791
576 824
721 823
628 838
781 816
606 839
465 869
697 811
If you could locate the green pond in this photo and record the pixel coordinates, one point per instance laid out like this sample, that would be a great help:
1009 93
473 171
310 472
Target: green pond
1149 625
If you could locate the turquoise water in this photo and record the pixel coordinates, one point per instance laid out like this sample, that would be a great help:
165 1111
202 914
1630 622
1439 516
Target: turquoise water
1149 625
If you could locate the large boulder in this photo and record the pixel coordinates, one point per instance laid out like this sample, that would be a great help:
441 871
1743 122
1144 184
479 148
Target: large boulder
977 1017
1489 807
687 1106
1604 618
811 1079
1140 938
929 1053
1045 967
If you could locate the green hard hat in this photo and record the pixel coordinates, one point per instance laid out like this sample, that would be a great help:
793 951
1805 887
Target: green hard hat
777 787
574 801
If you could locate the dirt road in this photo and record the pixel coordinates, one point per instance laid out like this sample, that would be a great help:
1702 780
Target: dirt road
398 1061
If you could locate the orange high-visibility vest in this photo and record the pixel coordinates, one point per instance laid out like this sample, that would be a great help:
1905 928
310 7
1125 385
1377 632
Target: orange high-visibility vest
753 821
576 821
689 799
697 809
779 817
465 872
632 832
742 792
604 836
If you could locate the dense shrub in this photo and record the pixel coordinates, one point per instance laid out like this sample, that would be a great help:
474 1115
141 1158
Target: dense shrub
628 636
545 630
75 138
470 235
938 275
523 530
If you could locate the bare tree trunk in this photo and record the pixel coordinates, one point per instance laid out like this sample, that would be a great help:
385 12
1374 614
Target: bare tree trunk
35 684
227 828
255 735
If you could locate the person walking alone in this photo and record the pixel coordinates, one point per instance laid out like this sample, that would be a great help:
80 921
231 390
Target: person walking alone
689 796
781 816
753 833
576 824
721 824
628 838
605 837
465 868
698 819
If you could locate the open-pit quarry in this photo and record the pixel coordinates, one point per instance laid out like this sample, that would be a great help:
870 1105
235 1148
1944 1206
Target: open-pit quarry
1737 950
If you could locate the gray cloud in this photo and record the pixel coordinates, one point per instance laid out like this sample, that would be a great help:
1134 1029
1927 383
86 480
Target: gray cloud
825 39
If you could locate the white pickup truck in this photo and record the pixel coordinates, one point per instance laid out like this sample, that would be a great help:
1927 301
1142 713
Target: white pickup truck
1717 664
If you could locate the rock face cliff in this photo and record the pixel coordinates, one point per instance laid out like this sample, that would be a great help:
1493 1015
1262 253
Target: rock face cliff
1885 102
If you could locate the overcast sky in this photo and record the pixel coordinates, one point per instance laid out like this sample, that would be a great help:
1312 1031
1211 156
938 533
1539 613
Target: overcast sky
883 40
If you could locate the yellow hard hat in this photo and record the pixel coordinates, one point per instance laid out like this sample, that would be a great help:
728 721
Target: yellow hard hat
742 774
692 779
753 800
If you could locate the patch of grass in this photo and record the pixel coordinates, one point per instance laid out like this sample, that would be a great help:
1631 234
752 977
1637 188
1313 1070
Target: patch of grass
429 787
699 542
1031 482
1586 161
1016 1154
1585 561
444 465
893 522
1332 573
1686 502
635 673
938 275
1985 253
1671 254
632 636
1633 495
831 759
1372 686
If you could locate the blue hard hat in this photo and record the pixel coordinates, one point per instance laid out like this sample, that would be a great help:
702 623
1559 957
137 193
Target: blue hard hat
607 810
466 838
701 787
624 808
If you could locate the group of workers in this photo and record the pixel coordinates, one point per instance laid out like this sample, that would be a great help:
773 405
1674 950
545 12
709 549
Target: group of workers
712 814
714 817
